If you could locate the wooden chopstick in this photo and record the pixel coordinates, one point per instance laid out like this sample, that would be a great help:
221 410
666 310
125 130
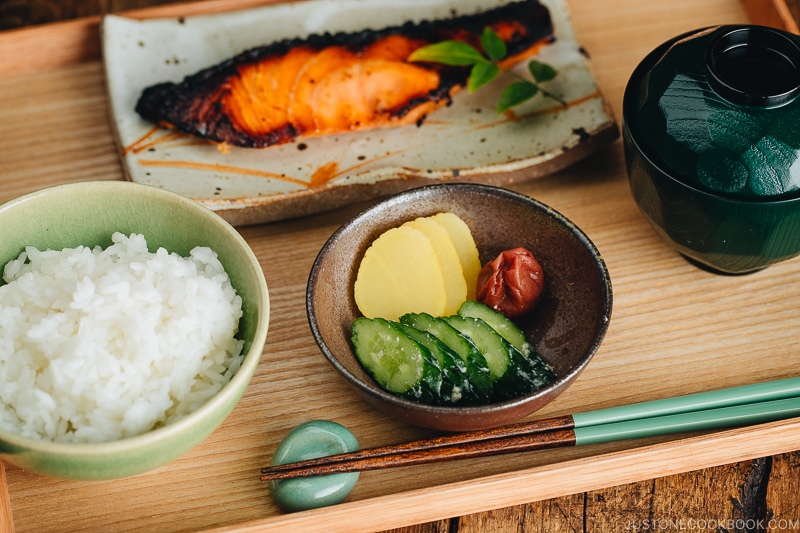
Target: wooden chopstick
745 405
480 448
452 446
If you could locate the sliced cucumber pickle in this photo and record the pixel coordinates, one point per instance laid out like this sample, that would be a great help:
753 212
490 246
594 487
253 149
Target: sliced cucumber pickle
524 375
499 322
488 342
513 374
477 368
456 387
530 367
543 371
475 357
398 363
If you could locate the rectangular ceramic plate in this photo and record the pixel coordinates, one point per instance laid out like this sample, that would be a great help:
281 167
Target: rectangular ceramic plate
467 141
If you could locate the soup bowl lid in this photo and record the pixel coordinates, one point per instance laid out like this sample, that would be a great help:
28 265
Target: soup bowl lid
717 109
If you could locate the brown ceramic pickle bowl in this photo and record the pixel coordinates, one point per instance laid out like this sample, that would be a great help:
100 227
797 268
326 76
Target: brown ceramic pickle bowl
566 327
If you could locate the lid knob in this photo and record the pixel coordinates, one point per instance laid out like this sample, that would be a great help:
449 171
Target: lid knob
754 65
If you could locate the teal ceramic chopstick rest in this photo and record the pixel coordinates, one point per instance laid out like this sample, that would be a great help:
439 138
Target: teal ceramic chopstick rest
712 143
317 438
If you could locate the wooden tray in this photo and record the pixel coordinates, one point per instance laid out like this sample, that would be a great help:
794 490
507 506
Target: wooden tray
675 329
781 14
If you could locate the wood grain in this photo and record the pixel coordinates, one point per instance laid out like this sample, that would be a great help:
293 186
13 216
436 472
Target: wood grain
783 14
675 329
6 517
15 14
75 41
729 498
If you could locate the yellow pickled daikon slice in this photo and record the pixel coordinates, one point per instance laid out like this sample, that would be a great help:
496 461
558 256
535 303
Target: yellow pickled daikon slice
400 273
449 261
465 246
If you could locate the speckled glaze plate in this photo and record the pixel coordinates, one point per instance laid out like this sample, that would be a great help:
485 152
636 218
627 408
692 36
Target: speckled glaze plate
467 141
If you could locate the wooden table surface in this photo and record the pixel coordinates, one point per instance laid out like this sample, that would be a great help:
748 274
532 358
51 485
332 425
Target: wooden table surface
662 310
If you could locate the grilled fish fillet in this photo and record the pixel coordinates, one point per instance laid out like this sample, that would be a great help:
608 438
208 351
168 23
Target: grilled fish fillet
334 83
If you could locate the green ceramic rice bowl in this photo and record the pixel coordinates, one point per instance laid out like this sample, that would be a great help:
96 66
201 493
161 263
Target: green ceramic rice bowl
67 216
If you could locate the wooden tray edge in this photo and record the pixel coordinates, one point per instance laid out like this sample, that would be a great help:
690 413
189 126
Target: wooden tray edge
540 483
6 517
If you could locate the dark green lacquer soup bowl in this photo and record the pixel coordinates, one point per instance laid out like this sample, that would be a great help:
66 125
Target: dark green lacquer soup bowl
711 127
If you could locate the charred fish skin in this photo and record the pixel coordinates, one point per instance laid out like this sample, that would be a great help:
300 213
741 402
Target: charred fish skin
229 102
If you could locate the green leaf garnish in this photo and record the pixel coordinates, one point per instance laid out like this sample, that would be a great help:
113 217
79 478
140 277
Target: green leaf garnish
453 53
486 68
515 94
493 45
541 72
481 74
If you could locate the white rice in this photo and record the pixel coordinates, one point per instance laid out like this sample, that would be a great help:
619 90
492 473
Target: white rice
99 345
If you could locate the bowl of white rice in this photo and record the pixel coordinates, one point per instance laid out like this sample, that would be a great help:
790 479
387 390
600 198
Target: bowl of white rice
132 320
